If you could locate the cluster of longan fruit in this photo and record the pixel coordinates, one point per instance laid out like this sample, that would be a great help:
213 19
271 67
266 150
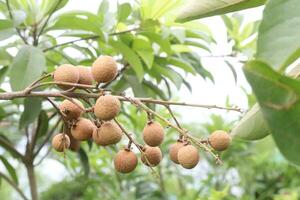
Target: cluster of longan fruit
105 131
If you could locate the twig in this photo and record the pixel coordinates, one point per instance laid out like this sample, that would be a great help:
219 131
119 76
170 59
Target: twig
43 158
22 94
11 17
93 37
173 116
14 185
6 145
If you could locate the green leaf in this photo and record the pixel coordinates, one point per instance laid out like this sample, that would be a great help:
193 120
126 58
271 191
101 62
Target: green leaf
164 43
32 108
11 170
48 6
5 58
43 124
27 66
198 9
177 62
170 74
136 86
231 67
84 161
278 97
124 11
130 56
252 126
6 29
144 49
3 72
278 39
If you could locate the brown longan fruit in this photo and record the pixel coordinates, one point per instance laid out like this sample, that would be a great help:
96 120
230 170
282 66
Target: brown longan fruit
85 75
82 129
74 144
188 156
107 107
71 110
173 151
125 161
153 134
66 73
108 133
60 142
153 155
219 140
104 69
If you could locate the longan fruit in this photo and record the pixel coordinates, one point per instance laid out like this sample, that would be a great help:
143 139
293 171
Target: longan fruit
60 142
153 155
83 129
219 140
125 161
74 144
108 133
107 107
104 69
66 73
85 75
188 156
173 151
71 110
153 134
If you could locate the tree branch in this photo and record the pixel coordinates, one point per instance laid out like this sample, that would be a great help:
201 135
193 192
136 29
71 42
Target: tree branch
22 94
93 37
10 182
11 17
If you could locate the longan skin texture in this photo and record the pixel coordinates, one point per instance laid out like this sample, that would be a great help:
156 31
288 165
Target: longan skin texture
153 134
188 156
107 107
153 155
109 133
125 161
219 140
66 73
83 129
60 142
85 75
104 69
173 151
71 110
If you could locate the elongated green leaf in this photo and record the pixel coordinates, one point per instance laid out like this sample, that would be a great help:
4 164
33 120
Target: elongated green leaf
198 9
181 64
278 97
278 39
170 74
130 56
124 11
27 66
164 43
6 29
144 49
84 161
11 170
43 124
32 108
252 126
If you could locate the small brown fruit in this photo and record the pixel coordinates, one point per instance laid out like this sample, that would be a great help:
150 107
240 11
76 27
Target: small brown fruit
83 129
107 107
125 161
153 155
60 142
153 134
85 75
74 144
219 140
173 151
104 69
188 156
108 133
71 110
66 73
